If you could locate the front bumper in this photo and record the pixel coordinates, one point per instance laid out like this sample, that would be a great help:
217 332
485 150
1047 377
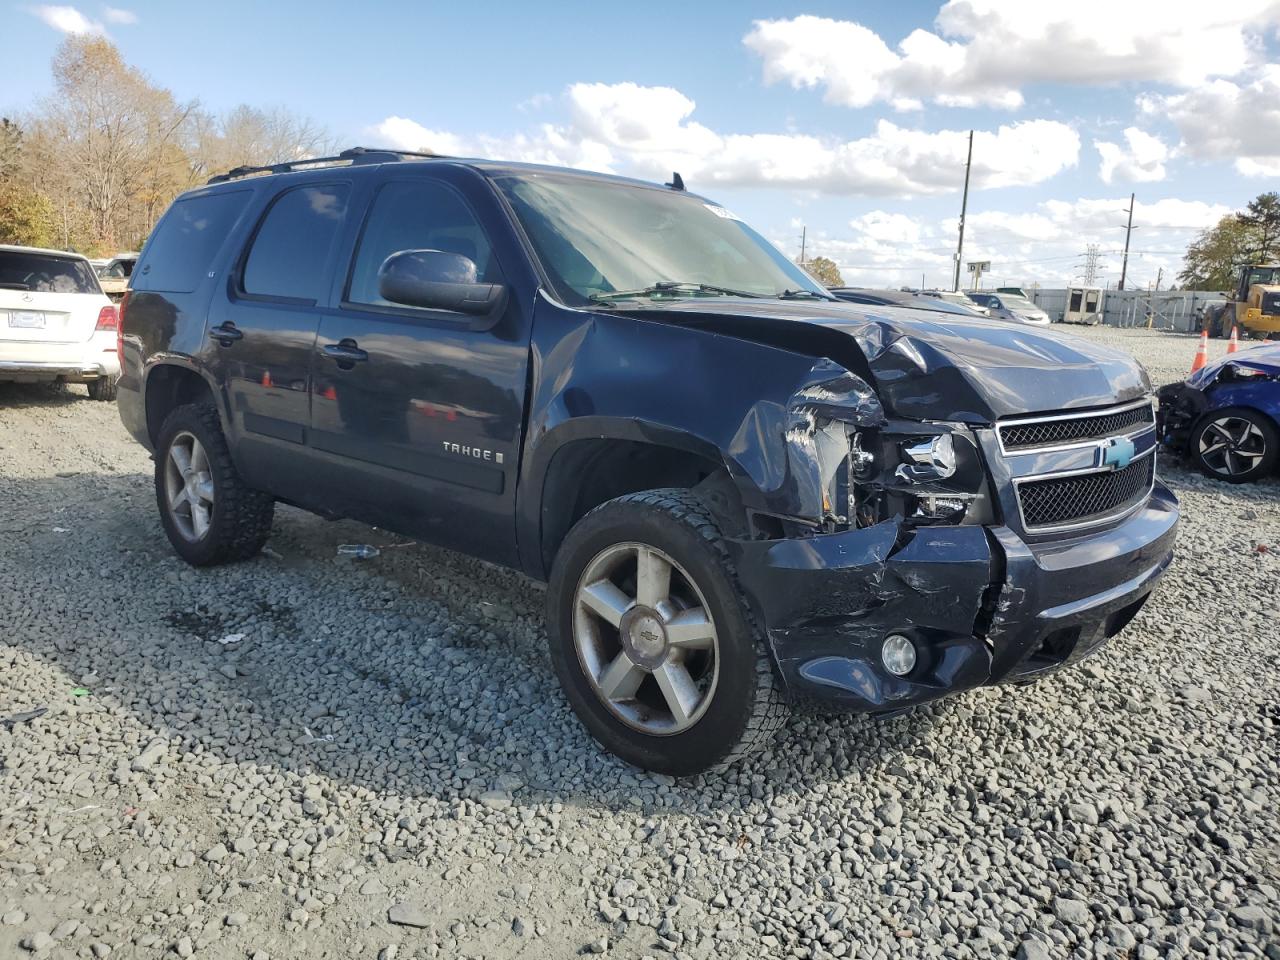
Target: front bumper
982 605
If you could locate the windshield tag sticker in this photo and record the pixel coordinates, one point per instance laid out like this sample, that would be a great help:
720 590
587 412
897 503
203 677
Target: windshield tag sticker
722 212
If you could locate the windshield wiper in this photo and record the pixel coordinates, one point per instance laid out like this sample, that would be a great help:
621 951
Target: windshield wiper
14 286
802 294
674 287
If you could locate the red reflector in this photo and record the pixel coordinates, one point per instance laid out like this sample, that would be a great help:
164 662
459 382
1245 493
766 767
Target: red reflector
108 319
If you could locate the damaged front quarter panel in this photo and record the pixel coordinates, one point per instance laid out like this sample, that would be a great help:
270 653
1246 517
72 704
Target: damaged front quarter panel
823 417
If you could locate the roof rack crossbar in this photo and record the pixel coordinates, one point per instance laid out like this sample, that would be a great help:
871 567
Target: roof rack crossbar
355 156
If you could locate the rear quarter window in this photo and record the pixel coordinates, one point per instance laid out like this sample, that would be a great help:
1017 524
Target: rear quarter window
45 273
181 251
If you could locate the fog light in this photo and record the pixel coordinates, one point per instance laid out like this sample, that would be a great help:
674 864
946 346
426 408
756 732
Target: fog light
898 654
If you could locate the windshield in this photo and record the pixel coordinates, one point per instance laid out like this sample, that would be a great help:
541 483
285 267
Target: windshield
599 238
46 273
1018 304
1264 275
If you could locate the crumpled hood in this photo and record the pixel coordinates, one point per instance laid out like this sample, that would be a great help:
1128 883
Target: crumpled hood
934 366
1264 358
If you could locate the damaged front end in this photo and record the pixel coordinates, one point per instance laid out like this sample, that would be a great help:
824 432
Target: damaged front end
888 540
897 580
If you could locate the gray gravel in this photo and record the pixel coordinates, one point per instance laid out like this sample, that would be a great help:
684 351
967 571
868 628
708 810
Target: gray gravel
383 767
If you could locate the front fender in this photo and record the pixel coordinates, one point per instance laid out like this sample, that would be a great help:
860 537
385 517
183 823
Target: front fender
739 403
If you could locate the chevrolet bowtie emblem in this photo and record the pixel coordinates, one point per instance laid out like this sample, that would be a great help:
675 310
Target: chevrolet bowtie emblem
1116 453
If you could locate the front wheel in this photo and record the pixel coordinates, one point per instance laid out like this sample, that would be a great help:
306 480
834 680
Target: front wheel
209 514
1235 444
653 641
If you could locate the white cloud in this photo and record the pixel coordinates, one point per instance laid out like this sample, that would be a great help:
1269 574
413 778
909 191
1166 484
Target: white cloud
881 227
117 15
650 131
67 19
987 51
1229 121
1141 161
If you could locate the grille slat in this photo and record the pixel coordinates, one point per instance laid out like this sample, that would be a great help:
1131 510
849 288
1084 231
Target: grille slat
1078 499
1046 433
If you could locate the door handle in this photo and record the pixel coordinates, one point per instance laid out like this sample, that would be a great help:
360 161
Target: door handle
226 333
345 352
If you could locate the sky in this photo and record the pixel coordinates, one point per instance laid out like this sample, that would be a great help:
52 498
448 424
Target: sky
849 121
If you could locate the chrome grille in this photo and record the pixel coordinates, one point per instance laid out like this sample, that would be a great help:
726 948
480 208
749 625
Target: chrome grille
1085 497
1074 428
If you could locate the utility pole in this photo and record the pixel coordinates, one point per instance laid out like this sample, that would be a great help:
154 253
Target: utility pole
803 231
1128 230
964 208
1159 277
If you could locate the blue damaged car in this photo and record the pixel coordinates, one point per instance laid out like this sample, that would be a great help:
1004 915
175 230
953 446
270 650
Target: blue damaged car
1225 418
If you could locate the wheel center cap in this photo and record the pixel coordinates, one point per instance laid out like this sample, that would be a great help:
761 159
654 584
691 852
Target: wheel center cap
644 637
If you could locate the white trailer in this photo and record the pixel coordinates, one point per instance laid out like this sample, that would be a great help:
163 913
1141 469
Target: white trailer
1084 305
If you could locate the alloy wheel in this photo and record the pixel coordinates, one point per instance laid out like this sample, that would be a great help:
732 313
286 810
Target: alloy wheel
1231 446
646 639
189 487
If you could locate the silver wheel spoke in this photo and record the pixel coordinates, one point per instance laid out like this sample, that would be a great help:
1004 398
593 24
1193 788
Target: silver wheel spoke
621 679
1212 448
199 459
204 489
691 630
199 519
177 498
678 689
653 577
605 600
181 458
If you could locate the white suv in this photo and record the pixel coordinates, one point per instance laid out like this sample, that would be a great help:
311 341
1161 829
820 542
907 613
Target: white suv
56 324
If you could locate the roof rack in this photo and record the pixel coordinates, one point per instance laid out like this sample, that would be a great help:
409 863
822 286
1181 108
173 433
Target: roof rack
355 156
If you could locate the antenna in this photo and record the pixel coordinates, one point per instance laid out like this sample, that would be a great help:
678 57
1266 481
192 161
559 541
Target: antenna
677 182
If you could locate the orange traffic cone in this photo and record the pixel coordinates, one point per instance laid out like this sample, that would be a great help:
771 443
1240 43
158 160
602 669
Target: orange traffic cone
1234 345
266 379
1202 353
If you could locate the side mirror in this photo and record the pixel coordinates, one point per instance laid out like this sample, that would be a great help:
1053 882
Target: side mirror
441 281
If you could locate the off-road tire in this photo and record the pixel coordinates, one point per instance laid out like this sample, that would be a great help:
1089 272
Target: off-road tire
241 516
104 388
747 707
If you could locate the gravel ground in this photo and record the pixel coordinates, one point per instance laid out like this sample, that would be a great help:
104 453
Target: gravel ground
382 765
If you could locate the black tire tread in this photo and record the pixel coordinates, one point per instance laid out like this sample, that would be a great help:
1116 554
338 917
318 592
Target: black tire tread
769 709
245 514
104 388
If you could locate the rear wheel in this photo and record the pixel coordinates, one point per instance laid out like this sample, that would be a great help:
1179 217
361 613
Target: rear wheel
652 640
209 514
104 388
1235 444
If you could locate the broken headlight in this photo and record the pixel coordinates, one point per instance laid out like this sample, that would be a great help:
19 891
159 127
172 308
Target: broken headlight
938 476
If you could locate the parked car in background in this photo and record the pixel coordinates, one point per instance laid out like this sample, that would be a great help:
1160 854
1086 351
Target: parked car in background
958 298
1010 306
741 492
902 298
56 324
1225 417
114 275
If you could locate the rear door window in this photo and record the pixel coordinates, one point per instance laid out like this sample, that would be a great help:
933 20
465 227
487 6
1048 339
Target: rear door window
45 273
181 252
289 255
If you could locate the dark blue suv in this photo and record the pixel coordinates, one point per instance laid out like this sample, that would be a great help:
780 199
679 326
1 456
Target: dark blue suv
744 493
